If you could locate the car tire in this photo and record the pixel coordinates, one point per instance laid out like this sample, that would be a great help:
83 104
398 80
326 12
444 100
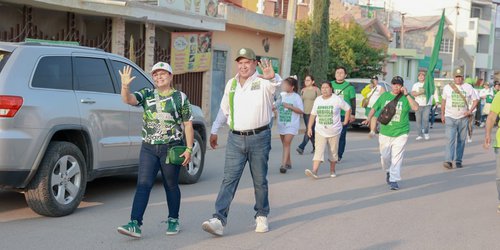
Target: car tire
191 174
59 184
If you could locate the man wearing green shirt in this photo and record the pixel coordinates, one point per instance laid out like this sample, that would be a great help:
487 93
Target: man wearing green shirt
490 122
394 135
348 93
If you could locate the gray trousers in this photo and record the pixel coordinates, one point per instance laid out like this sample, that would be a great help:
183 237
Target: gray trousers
497 153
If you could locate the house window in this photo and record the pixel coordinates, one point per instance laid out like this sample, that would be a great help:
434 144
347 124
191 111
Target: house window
472 25
446 45
475 12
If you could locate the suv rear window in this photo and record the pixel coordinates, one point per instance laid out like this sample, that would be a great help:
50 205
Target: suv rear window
138 83
53 72
4 56
358 86
92 74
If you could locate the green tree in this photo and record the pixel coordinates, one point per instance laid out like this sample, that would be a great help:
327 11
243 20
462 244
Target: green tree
319 40
301 55
347 46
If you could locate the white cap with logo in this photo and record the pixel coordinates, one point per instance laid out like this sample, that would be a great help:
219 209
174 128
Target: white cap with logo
162 65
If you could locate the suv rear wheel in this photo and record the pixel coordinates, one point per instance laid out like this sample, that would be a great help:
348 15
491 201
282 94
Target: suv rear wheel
59 185
191 173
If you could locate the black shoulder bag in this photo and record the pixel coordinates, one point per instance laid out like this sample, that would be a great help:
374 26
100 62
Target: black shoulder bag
389 110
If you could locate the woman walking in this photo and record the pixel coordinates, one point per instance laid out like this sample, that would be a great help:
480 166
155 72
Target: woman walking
165 110
289 110
308 95
326 113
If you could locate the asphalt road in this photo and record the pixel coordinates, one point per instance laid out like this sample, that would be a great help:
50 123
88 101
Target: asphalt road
434 209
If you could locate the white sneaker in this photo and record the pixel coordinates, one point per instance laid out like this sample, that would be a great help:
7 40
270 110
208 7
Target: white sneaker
333 175
311 174
419 138
427 137
213 226
262 225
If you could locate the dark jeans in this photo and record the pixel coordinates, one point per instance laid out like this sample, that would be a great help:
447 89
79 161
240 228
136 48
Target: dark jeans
432 118
241 149
151 160
342 139
306 137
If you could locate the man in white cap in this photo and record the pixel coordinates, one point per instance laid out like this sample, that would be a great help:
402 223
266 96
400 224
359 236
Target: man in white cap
247 103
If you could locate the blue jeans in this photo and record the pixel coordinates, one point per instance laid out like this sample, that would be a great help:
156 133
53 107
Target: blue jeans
456 132
306 137
422 119
151 160
241 149
432 117
342 139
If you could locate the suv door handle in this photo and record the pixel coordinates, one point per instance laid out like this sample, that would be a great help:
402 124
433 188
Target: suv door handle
87 100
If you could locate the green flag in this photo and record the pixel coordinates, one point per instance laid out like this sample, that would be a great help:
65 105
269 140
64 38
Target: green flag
429 78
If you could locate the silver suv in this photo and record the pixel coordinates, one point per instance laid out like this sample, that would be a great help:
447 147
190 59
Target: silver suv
63 123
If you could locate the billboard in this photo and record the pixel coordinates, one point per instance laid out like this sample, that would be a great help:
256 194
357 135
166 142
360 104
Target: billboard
191 52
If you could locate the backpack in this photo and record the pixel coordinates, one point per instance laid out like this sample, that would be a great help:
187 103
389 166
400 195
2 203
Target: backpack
389 110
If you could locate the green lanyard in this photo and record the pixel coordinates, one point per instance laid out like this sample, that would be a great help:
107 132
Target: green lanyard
231 103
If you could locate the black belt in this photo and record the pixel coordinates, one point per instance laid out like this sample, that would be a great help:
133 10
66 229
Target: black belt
250 131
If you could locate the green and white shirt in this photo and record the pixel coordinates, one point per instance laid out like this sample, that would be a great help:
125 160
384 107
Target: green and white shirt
345 90
176 110
400 123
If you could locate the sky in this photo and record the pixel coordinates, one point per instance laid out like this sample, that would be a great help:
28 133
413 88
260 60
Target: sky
422 7
413 7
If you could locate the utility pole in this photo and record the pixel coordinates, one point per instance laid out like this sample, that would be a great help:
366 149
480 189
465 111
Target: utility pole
288 41
455 38
388 14
402 43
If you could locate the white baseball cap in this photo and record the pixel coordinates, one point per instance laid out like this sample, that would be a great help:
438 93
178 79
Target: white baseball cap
162 65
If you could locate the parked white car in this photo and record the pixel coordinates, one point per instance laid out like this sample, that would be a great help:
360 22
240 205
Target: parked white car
359 84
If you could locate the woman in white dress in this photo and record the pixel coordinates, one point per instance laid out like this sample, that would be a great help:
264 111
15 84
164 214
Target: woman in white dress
290 108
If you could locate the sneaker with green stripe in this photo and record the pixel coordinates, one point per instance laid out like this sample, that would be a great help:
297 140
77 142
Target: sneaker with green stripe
173 226
132 229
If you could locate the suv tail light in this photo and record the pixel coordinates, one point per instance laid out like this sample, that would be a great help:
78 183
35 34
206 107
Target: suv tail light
9 105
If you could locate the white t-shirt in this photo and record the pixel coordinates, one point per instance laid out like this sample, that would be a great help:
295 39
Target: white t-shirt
484 93
455 106
327 112
375 94
421 99
289 121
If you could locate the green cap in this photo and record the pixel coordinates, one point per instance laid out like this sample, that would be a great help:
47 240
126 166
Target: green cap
246 53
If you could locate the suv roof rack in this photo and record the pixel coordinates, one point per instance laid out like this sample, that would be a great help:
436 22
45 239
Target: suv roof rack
60 45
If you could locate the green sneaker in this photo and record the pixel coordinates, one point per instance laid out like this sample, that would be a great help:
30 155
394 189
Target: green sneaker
173 226
132 229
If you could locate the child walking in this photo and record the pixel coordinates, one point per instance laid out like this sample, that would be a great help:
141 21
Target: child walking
290 108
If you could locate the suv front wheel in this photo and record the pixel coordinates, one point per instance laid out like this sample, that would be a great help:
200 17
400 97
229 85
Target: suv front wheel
191 173
59 184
